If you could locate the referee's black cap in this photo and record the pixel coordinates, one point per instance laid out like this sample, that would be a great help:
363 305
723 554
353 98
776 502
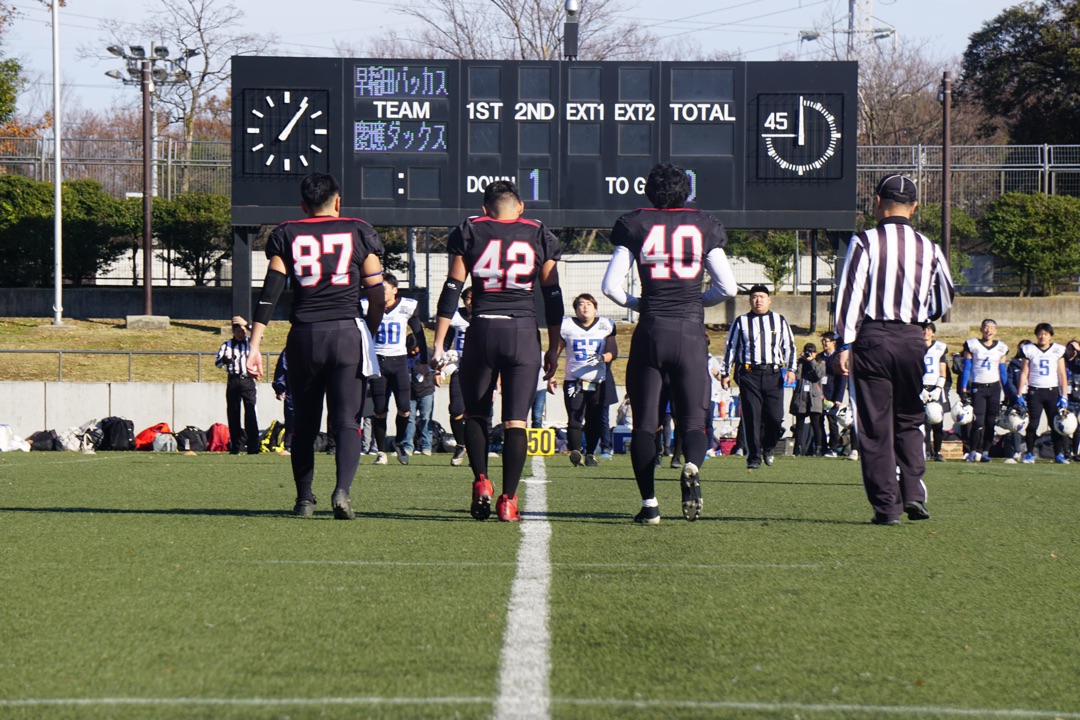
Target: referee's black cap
898 188
759 288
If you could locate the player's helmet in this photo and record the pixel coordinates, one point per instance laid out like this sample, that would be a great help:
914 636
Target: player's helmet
962 413
1065 423
844 417
935 414
1016 418
448 362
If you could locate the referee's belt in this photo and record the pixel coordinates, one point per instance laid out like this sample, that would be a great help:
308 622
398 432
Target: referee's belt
986 385
892 322
760 367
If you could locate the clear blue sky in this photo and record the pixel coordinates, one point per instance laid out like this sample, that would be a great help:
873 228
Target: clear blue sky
760 29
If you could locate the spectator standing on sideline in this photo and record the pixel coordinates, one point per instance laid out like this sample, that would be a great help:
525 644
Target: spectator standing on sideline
760 352
421 403
674 246
590 346
935 382
459 325
399 320
806 402
506 255
833 390
1044 389
239 390
330 350
982 380
894 280
281 390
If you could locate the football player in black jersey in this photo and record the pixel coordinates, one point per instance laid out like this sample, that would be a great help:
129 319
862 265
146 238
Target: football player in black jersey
329 350
673 246
506 255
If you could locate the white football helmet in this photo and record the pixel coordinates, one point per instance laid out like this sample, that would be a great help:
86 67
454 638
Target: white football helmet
1065 423
844 418
935 414
962 413
1014 419
448 363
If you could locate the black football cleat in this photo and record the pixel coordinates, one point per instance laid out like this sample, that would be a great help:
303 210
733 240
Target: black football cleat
576 458
648 516
691 492
459 456
590 461
882 520
304 508
916 510
769 459
342 506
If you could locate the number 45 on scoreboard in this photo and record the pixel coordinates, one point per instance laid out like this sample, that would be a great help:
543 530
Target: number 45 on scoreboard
540 441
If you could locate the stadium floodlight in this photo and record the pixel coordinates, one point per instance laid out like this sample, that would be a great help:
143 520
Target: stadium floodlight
161 52
116 50
138 52
159 74
115 74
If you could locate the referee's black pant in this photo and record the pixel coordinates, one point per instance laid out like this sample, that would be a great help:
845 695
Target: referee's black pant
762 400
240 391
887 369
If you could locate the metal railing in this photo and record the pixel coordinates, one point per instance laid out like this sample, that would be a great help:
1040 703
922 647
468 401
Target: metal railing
131 359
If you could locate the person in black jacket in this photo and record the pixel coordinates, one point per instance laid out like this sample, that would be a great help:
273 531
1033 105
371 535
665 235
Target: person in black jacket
421 402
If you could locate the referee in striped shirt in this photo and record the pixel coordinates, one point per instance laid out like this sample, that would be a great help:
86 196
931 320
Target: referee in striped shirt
894 281
240 389
760 351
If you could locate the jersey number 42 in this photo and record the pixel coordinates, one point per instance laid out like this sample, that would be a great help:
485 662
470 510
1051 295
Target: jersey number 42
510 271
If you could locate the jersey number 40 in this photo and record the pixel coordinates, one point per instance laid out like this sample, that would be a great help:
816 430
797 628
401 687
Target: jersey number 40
666 255
510 271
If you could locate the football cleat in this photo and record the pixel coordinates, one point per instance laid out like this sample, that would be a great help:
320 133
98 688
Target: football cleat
380 459
304 508
576 458
459 456
342 506
916 510
402 454
648 516
590 461
1028 459
481 499
507 509
676 463
1060 459
691 492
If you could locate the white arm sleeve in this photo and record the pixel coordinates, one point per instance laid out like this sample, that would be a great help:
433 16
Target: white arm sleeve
723 279
615 277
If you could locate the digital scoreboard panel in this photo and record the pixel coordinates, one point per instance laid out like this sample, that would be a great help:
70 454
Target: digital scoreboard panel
414 142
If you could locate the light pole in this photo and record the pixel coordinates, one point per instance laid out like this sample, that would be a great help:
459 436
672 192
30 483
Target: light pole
570 30
945 96
143 70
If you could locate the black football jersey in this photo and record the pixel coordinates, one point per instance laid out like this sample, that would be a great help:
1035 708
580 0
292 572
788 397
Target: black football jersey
670 248
323 256
504 258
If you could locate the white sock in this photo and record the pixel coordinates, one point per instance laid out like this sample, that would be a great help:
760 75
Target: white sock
651 502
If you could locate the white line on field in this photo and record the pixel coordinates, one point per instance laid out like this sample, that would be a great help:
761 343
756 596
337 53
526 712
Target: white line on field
599 566
525 665
892 710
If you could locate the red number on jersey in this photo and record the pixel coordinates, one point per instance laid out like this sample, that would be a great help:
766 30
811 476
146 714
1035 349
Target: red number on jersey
663 259
510 271
308 251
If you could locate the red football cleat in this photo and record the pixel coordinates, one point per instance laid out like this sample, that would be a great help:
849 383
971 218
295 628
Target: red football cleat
507 509
481 498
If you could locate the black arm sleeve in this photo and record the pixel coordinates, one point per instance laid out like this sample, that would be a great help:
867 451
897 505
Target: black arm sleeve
272 287
418 332
553 305
448 299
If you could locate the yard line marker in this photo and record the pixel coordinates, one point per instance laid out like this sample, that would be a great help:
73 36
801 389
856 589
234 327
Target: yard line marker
241 702
525 665
599 566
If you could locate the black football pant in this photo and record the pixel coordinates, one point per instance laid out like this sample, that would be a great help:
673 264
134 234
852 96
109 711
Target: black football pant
1040 402
240 391
933 434
986 402
762 393
394 379
677 350
325 360
583 412
887 370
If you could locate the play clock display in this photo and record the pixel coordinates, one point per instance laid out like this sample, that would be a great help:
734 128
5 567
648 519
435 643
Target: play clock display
800 136
286 132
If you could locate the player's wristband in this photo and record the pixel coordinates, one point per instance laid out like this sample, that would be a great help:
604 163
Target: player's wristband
845 346
273 286
553 304
448 299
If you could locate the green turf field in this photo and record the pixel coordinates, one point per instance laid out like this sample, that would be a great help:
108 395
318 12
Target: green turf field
138 585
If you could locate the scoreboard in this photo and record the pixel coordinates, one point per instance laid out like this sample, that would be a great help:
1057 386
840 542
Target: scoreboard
414 142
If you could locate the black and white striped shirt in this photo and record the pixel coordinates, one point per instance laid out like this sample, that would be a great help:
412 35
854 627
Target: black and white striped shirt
233 356
763 339
891 273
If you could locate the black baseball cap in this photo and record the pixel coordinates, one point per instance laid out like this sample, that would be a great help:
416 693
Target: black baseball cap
898 188
759 288
830 335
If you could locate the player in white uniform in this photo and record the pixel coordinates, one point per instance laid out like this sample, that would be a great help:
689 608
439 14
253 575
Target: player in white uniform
590 343
399 319
985 362
459 325
935 389
1044 388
